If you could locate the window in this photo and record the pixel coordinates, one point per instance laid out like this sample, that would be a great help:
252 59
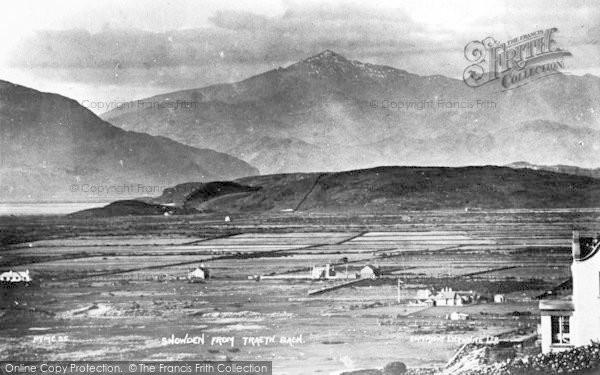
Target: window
560 330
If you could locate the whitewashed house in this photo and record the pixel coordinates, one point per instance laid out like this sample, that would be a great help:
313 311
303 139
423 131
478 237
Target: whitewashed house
423 297
370 272
199 274
15 277
323 272
449 297
575 320
458 316
424 294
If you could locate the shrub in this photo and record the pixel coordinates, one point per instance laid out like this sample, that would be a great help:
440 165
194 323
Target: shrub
394 368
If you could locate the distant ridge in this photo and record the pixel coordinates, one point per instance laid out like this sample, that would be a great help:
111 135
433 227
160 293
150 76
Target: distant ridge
53 149
390 189
568 169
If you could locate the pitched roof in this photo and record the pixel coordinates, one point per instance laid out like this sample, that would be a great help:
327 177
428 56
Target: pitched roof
589 246
423 293
447 294
198 272
376 270
11 273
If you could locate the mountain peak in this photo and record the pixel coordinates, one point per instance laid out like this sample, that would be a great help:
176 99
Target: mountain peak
328 64
331 64
328 56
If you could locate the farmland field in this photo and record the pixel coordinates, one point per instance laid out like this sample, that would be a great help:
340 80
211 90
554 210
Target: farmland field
116 288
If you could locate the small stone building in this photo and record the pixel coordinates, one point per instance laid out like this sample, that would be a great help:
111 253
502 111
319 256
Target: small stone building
323 272
199 274
370 272
448 297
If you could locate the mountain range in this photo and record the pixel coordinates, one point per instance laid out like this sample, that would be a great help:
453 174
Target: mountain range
323 114
53 149
329 113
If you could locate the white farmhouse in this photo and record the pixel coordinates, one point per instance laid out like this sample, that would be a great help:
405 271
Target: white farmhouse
324 272
15 277
449 297
458 316
370 272
199 274
575 320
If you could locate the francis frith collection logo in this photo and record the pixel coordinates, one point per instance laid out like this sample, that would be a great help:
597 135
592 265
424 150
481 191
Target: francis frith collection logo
516 62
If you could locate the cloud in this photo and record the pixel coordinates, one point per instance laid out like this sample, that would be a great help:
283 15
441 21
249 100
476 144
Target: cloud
232 37
240 21
143 47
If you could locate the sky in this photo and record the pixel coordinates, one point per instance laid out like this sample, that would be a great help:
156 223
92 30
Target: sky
102 51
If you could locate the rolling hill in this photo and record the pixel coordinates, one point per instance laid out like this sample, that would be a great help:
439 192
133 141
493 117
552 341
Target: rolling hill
52 148
132 208
389 189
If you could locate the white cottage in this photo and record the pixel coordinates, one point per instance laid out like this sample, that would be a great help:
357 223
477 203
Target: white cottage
449 297
458 316
199 274
325 272
423 297
575 320
15 277
370 272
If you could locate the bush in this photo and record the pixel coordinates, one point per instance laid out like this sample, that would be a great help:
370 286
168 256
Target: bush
394 368
574 361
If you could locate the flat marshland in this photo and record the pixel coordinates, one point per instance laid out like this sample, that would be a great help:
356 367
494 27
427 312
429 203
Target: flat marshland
115 288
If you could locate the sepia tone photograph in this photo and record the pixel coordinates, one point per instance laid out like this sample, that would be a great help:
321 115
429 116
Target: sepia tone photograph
291 187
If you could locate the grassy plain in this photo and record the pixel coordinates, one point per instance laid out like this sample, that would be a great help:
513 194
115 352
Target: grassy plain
115 288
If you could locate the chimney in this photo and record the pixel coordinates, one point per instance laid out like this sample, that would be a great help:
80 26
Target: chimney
575 246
